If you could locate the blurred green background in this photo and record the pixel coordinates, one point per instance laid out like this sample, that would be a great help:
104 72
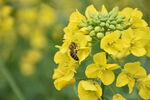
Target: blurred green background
29 31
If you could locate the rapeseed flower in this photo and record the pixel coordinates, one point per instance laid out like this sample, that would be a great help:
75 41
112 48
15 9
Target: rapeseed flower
134 17
113 45
144 87
129 73
101 69
63 76
135 41
29 61
65 60
89 90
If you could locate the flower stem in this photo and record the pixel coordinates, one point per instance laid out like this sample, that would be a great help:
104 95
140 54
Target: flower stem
11 81
102 86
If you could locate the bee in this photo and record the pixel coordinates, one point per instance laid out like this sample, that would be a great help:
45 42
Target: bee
72 46
73 51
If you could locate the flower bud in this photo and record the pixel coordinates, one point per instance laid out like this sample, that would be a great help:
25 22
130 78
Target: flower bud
100 35
97 29
102 24
92 33
89 28
112 27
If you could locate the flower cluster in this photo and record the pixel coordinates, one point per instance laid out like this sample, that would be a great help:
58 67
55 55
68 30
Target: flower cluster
119 33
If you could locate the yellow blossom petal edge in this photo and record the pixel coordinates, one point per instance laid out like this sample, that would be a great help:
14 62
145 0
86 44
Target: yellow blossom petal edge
90 11
104 10
118 97
89 90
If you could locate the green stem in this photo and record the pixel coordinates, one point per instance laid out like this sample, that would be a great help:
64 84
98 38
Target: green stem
102 86
11 81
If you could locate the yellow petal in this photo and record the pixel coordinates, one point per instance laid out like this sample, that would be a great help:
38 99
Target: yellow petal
83 53
140 73
148 50
144 93
136 13
138 51
99 90
60 83
122 80
107 43
100 58
60 57
88 85
126 12
64 80
104 10
118 97
76 17
90 11
131 85
92 71
112 66
135 69
107 77
92 92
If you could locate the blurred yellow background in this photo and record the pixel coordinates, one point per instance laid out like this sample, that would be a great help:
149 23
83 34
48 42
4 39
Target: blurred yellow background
29 31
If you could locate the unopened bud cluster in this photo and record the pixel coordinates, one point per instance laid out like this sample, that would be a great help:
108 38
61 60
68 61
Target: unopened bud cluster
100 24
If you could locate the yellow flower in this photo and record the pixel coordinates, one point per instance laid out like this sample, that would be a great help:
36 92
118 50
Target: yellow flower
90 11
101 69
121 43
131 71
38 40
118 97
144 87
66 58
134 16
135 41
76 18
89 90
47 15
29 61
63 76
82 49
113 45
28 15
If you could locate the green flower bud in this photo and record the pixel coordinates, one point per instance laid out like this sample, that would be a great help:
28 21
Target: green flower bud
100 35
102 24
89 28
113 22
97 29
103 19
119 27
113 15
119 20
111 19
102 29
107 25
120 17
112 27
108 22
92 33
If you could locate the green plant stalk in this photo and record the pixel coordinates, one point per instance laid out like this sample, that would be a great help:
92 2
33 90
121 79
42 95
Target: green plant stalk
10 81
102 86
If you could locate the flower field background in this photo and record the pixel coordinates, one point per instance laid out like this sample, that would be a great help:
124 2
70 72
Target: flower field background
29 32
